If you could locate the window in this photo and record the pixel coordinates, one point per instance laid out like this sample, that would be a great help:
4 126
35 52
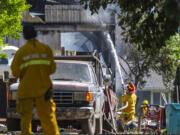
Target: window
72 72
156 98
93 76
76 41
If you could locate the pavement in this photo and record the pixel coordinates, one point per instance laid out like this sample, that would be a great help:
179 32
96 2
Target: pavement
3 128
19 133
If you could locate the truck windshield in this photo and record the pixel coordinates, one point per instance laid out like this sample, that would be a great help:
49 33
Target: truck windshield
72 72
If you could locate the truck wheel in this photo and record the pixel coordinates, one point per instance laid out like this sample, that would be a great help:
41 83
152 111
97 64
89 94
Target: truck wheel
99 125
13 124
89 125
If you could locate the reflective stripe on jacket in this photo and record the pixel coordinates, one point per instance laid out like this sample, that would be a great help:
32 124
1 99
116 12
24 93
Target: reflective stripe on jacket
33 63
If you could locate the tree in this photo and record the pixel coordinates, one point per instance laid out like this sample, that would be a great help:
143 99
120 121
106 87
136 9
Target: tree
139 66
10 18
168 59
165 63
146 24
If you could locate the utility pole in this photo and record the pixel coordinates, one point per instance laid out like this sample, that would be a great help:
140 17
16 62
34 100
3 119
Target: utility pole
177 93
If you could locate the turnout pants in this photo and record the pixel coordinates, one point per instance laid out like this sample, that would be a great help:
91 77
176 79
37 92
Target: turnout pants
126 117
45 110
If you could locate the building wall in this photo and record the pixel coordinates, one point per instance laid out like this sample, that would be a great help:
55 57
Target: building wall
51 38
153 97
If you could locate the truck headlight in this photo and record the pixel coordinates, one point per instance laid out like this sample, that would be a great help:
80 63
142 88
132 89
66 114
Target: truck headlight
83 96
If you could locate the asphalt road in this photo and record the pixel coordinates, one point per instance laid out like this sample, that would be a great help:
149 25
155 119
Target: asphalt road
3 122
18 133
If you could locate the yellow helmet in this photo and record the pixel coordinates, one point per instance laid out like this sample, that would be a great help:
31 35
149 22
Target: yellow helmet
145 102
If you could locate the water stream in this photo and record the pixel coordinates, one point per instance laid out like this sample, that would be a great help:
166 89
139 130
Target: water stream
114 55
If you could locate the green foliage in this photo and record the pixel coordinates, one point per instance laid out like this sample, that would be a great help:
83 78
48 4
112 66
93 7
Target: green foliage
173 45
10 18
2 55
146 23
168 59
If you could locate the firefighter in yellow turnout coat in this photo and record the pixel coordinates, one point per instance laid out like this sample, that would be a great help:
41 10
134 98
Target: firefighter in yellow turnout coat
32 64
144 107
129 101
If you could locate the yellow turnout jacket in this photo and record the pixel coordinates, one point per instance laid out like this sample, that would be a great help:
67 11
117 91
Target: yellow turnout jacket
33 63
131 98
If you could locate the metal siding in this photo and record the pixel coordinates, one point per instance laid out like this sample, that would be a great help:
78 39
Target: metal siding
66 14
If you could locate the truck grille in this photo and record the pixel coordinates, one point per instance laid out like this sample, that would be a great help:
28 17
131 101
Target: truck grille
63 98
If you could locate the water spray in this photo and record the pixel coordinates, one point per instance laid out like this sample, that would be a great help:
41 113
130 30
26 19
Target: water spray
113 51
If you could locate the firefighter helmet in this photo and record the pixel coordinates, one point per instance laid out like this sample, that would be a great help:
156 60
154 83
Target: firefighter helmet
131 87
145 102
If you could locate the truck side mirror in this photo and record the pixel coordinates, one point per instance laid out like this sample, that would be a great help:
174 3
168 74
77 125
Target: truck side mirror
5 76
107 80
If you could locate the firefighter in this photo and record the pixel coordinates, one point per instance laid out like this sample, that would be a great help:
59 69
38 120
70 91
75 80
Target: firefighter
144 107
129 101
33 63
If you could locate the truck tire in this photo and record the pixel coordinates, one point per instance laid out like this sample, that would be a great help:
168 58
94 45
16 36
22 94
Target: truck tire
13 124
99 125
89 125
